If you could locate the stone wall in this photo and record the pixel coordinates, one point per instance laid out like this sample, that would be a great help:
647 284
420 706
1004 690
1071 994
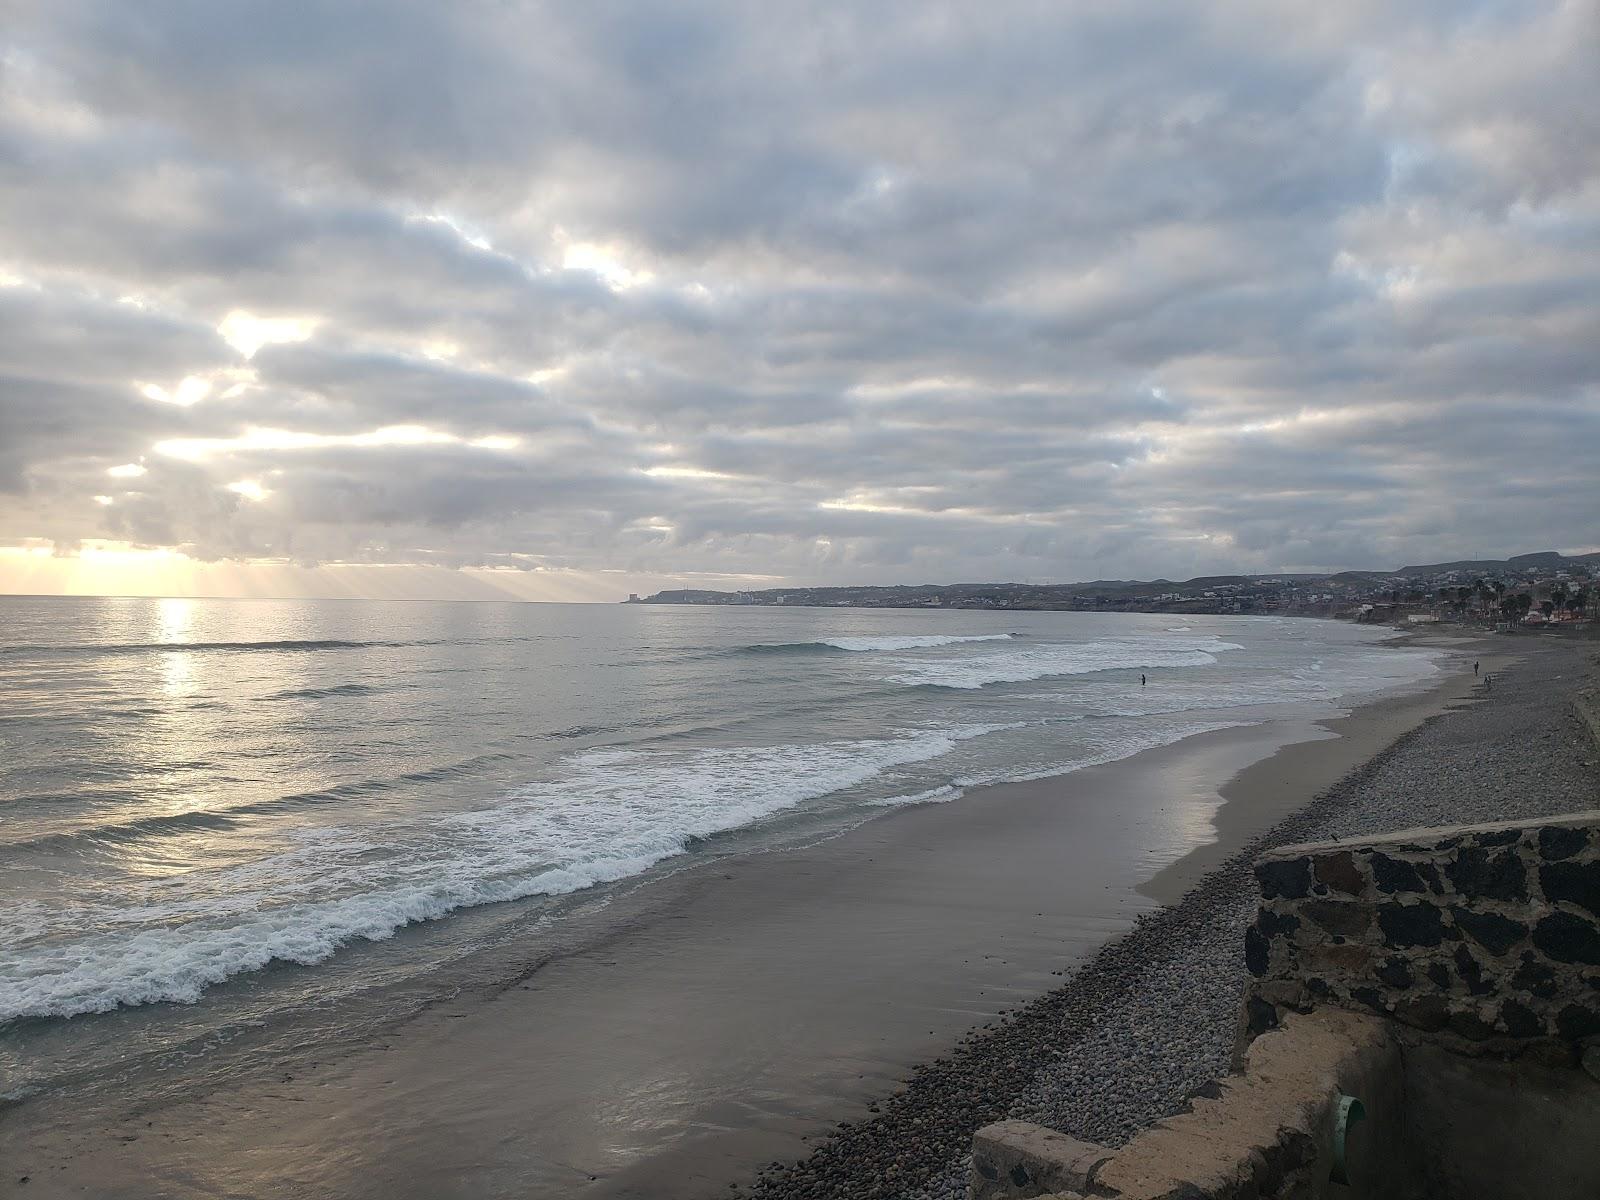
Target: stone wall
1487 935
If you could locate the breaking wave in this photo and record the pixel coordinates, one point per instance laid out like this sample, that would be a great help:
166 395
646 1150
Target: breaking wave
608 815
883 642
1039 662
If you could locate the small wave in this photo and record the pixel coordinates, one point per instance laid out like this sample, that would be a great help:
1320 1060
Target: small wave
1039 662
607 815
579 731
137 830
942 794
287 646
343 689
908 641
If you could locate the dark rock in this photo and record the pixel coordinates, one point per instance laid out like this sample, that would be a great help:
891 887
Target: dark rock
1425 1012
1535 976
1470 972
1339 916
1568 939
1395 973
1493 932
1498 837
1500 876
1259 1016
1471 1026
1520 1020
1556 842
1577 1021
1576 883
1411 924
1287 879
1275 924
1257 951
1394 875
1339 872
1440 975
1369 997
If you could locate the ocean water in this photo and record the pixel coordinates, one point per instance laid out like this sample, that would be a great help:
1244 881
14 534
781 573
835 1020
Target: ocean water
215 811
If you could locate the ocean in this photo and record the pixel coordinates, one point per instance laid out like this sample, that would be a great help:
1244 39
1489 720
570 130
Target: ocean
218 815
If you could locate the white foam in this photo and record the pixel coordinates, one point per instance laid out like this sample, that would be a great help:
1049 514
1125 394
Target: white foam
910 641
1039 662
936 795
606 816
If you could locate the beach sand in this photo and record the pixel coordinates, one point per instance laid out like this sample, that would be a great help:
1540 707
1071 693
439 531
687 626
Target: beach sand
728 1015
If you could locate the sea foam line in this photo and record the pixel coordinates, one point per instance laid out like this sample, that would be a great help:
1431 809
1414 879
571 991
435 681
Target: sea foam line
611 814
1039 662
884 642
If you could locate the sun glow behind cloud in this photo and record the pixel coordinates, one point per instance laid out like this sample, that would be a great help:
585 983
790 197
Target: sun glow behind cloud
108 568
250 489
247 333
256 440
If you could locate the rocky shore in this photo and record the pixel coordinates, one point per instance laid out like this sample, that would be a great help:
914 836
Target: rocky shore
1150 1017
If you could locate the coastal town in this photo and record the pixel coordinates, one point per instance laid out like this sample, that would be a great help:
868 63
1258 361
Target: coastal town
1527 589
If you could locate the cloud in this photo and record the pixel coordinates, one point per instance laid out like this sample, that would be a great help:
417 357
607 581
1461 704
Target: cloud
890 292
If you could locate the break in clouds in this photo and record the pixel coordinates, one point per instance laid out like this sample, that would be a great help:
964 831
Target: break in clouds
884 292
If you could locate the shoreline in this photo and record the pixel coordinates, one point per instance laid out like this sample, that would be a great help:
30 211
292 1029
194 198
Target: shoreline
1150 1017
691 1134
1262 793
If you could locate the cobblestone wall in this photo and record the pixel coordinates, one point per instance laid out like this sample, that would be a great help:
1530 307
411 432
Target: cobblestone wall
1487 932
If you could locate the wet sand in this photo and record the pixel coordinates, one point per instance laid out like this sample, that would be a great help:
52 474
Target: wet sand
728 1015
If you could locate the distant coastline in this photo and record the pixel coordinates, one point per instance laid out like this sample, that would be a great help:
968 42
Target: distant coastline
1464 588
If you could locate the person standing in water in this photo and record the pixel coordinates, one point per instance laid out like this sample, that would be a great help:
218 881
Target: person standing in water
1141 680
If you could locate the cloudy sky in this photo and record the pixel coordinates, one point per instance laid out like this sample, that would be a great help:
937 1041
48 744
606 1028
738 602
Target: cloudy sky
572 300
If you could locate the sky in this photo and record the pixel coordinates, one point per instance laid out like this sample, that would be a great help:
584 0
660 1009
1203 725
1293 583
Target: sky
506 299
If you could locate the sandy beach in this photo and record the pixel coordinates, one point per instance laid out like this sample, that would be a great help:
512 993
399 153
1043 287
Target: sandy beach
728 1015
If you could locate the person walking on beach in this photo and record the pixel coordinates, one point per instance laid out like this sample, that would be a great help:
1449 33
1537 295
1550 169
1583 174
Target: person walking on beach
1474 668
1141 679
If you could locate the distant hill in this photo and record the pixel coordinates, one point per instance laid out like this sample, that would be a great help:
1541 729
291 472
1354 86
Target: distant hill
1267 590
1549 560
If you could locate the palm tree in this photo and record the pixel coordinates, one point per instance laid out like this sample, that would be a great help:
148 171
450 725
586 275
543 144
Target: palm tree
1484 592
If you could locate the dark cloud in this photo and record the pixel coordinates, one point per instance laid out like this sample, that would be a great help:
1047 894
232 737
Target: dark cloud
876 292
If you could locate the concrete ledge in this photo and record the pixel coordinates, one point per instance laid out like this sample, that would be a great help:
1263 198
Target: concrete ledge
1268 1132
1018 1158
1428 839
